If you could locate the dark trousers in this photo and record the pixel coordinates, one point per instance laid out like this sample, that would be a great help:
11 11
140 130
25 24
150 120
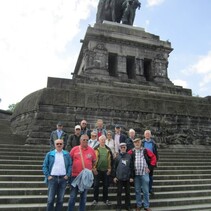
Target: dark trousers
150 180
120 185
102 176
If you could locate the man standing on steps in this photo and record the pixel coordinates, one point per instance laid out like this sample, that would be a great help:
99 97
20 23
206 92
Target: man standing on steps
150 144
74 139
56 168
102 170
58 134
118 137
123 175
142 161
83 157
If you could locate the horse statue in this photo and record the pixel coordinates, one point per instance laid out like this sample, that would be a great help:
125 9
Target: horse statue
129 13
117 11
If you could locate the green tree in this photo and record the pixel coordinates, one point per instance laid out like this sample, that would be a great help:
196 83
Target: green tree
11 107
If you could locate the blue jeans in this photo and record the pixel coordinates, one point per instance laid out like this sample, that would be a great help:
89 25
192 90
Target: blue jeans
142 183
73 195
56 186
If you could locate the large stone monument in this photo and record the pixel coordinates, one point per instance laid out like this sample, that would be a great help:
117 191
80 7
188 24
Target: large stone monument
121 76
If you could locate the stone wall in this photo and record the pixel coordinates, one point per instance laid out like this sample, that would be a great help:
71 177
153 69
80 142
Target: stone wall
172 118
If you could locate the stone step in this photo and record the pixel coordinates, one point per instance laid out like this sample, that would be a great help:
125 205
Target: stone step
6 193
173 168
24 146
42 207
9 172
22 157
182 176
12 139
182 171
17 167
153 202
178 160
22 184
20 162
185 163
23 189
24 153
181 182
170 174
160 188
157 179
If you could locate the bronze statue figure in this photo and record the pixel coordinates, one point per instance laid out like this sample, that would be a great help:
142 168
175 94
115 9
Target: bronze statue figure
117 11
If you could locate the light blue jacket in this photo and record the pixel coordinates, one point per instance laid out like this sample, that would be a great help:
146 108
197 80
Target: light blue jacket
84 180
49 161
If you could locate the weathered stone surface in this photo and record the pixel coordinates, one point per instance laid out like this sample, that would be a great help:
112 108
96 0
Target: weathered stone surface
121 77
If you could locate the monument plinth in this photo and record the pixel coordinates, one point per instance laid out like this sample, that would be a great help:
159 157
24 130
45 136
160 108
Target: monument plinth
121 76
113 51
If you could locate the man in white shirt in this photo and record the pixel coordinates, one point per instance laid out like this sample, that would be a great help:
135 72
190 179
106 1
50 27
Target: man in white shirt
57 168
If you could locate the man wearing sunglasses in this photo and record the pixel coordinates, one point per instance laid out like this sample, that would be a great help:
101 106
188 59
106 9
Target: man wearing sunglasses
83 157
56 168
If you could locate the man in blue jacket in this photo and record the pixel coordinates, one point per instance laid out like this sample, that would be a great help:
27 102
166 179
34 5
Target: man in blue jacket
150 144
57 168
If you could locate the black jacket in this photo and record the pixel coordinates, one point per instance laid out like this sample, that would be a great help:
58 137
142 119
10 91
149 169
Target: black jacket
122 168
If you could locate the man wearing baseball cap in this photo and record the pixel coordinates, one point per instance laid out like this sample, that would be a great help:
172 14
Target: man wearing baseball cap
142 161
58 134
123 175
74 139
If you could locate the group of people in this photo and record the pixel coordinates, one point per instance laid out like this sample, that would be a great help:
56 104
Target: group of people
88 157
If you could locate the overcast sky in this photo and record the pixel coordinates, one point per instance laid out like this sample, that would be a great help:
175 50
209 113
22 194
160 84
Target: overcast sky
41 38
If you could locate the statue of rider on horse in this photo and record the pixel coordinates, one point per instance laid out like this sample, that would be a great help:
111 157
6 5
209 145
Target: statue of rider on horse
117 11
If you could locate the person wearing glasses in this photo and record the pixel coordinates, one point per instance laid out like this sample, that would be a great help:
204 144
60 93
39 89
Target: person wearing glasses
123 175
83 156
110 142
84 129
56 167
93 142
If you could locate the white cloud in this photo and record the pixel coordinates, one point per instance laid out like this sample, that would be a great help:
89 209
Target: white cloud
203 68
203 65
152 3
33 43
182 83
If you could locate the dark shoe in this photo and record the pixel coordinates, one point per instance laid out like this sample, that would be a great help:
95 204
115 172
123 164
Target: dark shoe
147 209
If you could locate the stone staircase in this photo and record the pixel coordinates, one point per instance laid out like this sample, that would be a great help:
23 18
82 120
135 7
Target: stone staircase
182 180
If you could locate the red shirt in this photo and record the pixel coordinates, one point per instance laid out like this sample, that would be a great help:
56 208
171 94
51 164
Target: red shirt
89 157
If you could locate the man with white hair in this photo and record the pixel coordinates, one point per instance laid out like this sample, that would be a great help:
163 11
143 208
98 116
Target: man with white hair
102 170
150 144
129 140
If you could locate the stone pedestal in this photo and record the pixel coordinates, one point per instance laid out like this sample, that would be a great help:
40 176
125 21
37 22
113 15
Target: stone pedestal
120 77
